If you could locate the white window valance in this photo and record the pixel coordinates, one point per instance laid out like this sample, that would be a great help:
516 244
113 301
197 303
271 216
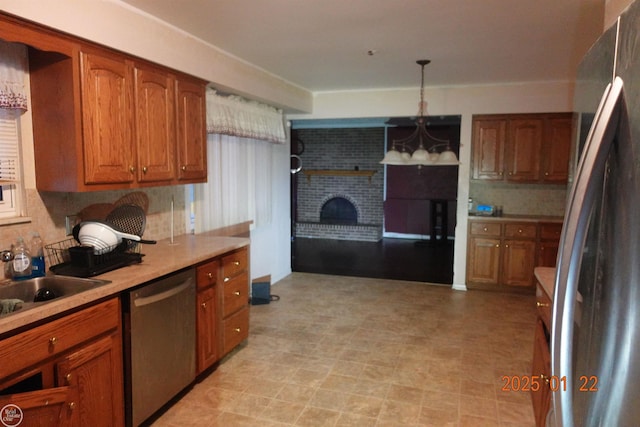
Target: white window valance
13 69
235 116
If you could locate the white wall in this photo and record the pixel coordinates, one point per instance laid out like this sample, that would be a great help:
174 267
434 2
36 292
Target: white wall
459 100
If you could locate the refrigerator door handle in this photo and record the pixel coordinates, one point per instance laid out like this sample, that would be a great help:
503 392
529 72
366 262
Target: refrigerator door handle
581 199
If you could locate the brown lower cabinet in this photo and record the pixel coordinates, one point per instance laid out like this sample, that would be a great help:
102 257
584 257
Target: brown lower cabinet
501 254
541 365
223 306
67 372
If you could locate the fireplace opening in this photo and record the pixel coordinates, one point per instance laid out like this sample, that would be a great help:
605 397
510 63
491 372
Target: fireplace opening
338 210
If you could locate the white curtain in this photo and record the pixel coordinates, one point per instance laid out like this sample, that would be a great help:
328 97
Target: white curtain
233 115
238 188
13 68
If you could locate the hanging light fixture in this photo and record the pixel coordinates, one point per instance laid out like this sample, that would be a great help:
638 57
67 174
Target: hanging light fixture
412 150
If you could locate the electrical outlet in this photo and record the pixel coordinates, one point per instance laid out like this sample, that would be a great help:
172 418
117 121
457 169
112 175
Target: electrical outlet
69 222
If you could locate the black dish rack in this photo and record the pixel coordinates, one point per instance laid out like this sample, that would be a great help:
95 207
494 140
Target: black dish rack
69 258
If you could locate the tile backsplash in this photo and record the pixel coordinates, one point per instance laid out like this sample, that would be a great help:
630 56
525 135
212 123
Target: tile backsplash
47 211
521 199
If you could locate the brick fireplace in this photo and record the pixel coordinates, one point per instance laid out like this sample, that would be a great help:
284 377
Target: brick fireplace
346 162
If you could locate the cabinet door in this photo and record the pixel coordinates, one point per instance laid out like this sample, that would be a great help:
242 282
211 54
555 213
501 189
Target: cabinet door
42 408
518 262
95 370
540 374
191 128
522 153
207 340
547 253
107 119
483 260
489 138
549 244
556 150
155 125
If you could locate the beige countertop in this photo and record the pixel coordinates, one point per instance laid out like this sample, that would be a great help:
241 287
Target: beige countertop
158 260
517 218
547 277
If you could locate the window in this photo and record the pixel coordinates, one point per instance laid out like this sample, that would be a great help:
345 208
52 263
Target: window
9 167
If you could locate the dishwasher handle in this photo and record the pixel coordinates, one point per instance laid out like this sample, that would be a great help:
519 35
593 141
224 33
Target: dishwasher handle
151 299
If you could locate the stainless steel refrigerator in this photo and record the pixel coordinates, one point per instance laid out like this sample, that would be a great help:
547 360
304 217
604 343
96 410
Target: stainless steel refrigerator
595 337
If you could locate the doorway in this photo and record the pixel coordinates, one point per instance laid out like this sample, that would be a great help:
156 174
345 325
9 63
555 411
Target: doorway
413 209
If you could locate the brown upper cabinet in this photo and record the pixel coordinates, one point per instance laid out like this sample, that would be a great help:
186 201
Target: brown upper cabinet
104 120
524 148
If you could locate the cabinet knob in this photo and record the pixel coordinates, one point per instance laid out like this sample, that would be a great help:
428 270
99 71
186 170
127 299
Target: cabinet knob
237 293
144 169
497 245
226 279
72 405
68 378
53 340
485 229
506 246
541 304
236 263
132 169
183 168
210 275
501 173
546 174
204 305
510 173
237 330
520 230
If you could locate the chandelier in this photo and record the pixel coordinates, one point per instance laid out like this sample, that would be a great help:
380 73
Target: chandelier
414 150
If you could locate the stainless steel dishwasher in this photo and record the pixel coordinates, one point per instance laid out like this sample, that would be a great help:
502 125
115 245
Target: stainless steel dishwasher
160 330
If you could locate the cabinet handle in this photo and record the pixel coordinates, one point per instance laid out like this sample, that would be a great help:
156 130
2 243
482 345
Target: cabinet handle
226 279
132 169
68 378
144 169
210 275
72 405
183 168
237 293
541 304
53 341
237 330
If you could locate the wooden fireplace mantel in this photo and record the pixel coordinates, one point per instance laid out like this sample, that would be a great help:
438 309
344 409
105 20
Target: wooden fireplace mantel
338 172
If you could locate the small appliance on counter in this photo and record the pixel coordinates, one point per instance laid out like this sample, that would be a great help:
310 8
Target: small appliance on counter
484 210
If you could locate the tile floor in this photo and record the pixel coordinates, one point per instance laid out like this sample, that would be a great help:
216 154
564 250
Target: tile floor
349 351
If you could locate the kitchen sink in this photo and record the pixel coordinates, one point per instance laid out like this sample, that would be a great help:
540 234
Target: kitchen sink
31 293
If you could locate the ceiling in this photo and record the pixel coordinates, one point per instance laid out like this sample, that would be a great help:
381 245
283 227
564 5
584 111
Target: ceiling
335 45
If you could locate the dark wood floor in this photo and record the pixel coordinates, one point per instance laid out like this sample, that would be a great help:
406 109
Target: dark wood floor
397 259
